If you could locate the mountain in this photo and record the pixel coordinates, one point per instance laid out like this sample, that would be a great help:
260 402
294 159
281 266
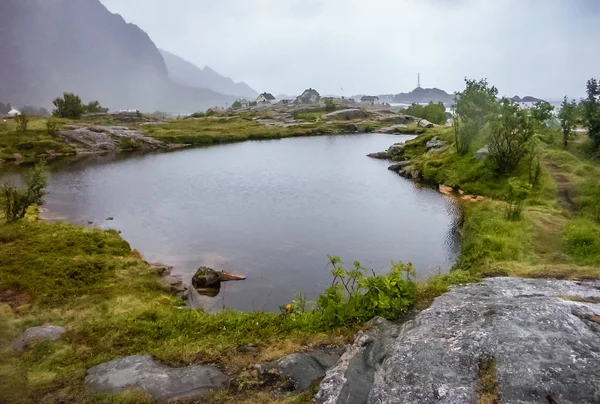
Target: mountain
420 96
527 98
52 46
187 73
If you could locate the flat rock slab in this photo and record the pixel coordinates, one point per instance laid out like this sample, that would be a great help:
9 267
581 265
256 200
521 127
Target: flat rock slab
162 382
37 334
545 346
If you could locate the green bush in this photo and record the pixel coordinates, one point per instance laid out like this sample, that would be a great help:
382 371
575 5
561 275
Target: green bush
52 127
94 107
69 106
433 112
329 105
517 192
17 200
22 122
582 241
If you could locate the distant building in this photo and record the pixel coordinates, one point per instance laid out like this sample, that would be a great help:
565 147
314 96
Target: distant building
241 103
14 112
309 96
266 97
370 99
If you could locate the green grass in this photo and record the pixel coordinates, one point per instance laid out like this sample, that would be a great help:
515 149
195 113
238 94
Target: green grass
582 241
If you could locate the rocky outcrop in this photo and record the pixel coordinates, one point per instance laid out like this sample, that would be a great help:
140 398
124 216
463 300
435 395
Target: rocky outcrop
379 155
390 130
424 123
206 277
397 167
346 115
396 150
95 139
161 382
537 339
435 144
298 371
35 335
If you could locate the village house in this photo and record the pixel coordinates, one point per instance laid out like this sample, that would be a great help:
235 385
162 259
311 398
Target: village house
266 97
13 112
370 100
309 96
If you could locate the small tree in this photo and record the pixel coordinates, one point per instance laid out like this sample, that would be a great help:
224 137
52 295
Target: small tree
22 122
511 131
94 107
329 105
474 106
568 118
518 191
17 200
592 111
69 106
541 113
52 127
236 105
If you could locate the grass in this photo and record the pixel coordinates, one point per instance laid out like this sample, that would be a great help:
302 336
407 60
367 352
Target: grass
488 382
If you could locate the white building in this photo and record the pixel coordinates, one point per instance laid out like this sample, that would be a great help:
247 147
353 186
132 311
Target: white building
266 98
370 99
14 112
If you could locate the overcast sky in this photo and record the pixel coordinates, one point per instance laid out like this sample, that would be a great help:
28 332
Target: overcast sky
544 48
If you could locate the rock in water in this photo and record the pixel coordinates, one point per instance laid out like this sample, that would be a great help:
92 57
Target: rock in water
162 382
37 334
398 167
230 276
545 348
205 277
379 155
396 150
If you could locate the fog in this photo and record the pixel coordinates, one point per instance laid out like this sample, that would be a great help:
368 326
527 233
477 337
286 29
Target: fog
545 48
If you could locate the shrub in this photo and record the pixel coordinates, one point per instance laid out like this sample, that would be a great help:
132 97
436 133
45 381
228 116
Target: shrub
17 200
329 105
52 127
94 107
433 112
473 106
518 191
69 106
22 122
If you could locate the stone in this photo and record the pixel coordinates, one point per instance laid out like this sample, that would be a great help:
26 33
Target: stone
230 276
446 190
379 155
161 269
346 115
94 139
205 277
545 348
435 144
247 349
175 283
110 218
300 369
37 334
393 118
473 198
17 156
392 129
193 299
397 167
161 382
351 379
424 123
396 150
483 153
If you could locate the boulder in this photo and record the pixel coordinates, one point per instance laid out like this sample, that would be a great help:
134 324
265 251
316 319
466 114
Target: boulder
397 167
175 283
161 382
424 123
530 336
392 129
483 153
346 115
205 277
396 150
17 156
300 370
435 144
379 155
37 334
230 276
446 190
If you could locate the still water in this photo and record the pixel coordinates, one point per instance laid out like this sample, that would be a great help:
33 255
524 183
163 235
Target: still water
270 210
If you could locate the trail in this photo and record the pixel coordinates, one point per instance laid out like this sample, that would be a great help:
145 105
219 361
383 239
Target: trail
565 188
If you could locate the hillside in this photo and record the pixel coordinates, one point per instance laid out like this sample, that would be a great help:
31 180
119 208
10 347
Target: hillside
419 95
186 73
49 47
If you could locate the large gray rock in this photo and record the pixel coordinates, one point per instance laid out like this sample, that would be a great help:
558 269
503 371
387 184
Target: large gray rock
37 334
206 277
351 379
435 144
483 153
424 123
396 150
345 115
162 382
379 155
300 369
546 349
393 129
90 139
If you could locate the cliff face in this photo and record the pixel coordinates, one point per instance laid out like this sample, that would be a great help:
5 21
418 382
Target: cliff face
52 46
186 73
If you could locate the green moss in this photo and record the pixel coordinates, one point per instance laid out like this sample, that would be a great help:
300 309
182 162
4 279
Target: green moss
582 241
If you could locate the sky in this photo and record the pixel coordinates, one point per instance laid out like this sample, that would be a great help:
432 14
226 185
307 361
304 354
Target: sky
543 48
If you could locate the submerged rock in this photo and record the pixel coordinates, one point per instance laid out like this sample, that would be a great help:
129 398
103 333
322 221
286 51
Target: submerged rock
299 370
537 344
162 382
37 334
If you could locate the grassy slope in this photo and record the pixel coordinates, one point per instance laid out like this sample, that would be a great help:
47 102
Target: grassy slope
31 143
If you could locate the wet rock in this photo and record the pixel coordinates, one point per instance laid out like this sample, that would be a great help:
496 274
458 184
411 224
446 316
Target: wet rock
424 123
351 379
161 269
483 153
397 167
345 115
300 370
396 150
543 347
37 334
230 276
205 277
93 139
392 129
435 144
162 382
379 155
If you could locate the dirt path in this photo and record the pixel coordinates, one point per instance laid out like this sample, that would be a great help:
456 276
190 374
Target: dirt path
565 188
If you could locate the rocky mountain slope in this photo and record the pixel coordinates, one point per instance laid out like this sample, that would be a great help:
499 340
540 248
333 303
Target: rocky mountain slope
419 95
52 46
186 73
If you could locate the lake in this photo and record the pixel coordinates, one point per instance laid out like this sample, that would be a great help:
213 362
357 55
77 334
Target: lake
270 210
